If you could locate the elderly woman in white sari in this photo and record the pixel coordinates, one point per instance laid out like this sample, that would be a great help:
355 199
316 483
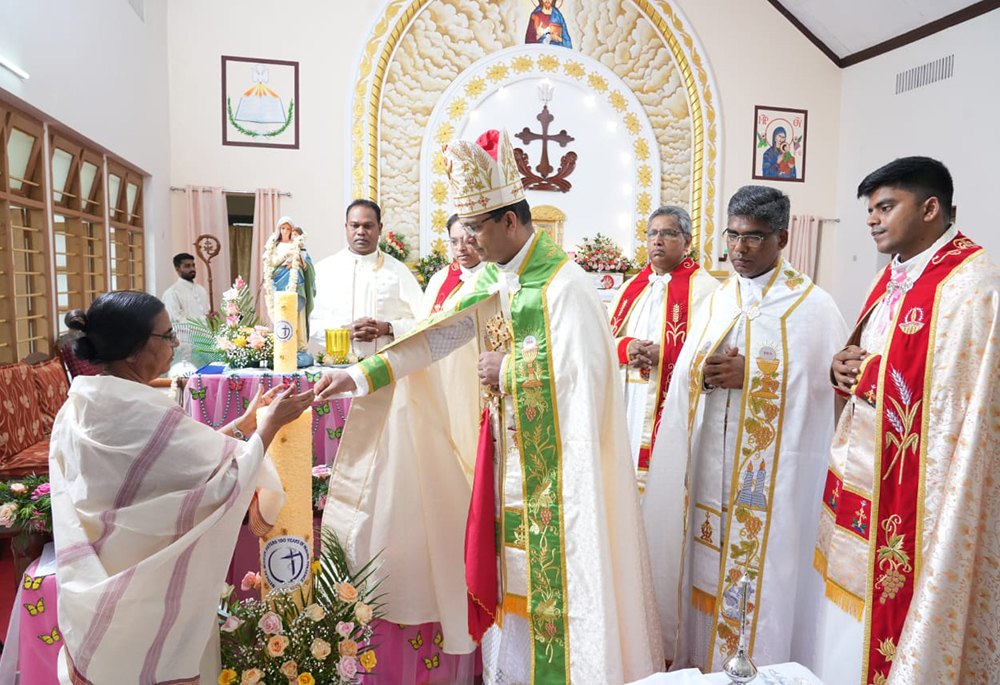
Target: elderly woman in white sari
147 504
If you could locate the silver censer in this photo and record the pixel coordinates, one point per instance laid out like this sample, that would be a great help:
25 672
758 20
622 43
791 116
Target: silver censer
740 667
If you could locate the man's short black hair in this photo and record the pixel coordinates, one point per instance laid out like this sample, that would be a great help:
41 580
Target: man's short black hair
365 203
768 205
922 176
451 220
522 210
182 257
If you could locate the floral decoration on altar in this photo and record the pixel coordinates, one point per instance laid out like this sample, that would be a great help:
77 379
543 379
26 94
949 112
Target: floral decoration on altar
319 634
26 505
394 245
601 254
235 334
430 265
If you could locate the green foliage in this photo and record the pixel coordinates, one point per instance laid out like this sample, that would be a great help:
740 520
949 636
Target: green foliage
430 265
258 134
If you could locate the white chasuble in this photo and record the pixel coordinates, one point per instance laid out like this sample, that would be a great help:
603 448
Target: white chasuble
418 497
644 320
146 504
748 464
950 631
350 286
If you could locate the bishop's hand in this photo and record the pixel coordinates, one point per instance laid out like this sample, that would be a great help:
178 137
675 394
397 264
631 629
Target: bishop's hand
366 329
725 370
845 367
333 382
489 368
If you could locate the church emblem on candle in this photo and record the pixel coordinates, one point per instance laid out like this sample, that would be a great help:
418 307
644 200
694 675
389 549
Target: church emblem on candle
283 331
285 561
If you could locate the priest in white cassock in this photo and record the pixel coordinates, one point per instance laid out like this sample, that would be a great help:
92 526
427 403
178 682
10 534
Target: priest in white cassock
909 537
740 457
569 589
363 289
448 286
650 322
185 300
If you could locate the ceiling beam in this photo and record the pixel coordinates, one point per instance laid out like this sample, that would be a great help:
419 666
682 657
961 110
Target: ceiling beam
928 29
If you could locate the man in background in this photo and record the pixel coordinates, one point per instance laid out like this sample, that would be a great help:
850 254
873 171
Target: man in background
185 300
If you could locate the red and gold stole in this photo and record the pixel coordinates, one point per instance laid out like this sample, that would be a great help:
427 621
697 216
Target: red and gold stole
897 382
676 305
451 283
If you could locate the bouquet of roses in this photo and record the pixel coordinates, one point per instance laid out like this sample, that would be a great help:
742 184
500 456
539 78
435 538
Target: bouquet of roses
394 245
319 634
601 254
234 335
25 505
321 486
429 265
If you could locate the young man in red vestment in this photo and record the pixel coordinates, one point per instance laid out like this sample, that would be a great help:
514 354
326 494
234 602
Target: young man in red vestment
909 540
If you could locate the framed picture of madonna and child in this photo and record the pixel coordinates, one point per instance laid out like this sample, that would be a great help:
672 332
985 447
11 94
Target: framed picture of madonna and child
779 152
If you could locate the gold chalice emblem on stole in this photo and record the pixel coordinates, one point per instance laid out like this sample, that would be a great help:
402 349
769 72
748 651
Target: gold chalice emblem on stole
767 362
529 355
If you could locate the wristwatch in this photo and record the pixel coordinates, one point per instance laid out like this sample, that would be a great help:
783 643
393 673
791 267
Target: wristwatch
389 326
238 434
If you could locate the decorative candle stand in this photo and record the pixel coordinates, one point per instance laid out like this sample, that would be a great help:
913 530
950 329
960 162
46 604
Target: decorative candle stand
740 667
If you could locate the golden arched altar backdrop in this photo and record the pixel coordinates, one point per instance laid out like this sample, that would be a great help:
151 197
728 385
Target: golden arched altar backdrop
418 48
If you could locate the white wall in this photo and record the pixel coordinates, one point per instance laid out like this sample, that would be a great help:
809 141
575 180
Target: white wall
324 37
954 120
100 70
759 58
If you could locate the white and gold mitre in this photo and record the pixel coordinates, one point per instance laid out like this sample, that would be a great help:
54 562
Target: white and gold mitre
483 174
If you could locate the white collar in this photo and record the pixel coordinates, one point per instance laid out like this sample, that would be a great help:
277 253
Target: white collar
368 259
515 264
914 266
469 273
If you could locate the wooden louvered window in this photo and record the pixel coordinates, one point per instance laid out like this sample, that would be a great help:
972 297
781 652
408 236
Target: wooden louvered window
79 236
128 265
25 285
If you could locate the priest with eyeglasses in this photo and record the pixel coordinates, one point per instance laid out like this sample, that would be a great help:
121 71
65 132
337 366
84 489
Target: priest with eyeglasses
737 469
650 319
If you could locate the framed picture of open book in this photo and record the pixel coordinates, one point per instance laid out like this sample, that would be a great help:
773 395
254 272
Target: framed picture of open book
779 151
260 102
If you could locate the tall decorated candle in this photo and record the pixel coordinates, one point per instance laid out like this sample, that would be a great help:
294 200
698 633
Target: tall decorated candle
286 551
286 316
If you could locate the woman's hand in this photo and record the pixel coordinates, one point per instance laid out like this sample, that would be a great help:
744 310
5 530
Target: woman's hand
284 407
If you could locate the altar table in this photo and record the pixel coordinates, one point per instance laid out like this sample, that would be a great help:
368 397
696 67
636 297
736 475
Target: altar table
406 654
780 674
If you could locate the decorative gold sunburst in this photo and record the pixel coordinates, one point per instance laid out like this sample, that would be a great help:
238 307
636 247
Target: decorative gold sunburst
642 149
597 82
497 73
617 100
475 87
439 192
548 63
632 124
439 220
444 133
574 70
456 110
645 176
522 64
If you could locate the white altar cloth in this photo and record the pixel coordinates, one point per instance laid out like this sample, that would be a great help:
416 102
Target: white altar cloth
781 674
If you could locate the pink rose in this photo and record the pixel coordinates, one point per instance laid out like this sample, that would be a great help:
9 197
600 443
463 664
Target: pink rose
18 488
270 623
321 471
231 624
252 676
345 628
256 341
321 503
239 283
232 309
7 512
347 667
232 321
41 491
251 581
276 645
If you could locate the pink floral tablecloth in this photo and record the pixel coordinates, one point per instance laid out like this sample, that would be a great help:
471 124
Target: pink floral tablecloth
33 638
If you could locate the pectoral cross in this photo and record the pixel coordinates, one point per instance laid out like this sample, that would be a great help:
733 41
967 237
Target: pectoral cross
527 136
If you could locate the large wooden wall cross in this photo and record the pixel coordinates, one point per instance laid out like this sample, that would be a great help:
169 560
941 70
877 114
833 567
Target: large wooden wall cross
541 180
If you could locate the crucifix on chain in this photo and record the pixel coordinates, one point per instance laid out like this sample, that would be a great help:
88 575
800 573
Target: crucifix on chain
542 180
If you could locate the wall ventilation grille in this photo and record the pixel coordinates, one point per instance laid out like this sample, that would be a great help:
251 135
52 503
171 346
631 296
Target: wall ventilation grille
140 8
917 77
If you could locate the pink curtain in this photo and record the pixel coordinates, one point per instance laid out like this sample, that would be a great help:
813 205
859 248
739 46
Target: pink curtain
266 211
207 215
803 243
